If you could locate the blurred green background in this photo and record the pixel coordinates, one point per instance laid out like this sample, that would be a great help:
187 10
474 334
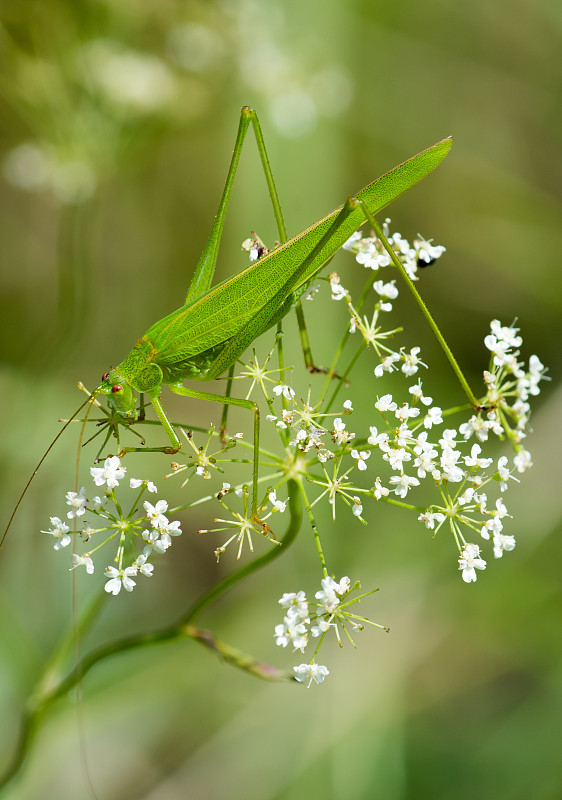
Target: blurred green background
117 119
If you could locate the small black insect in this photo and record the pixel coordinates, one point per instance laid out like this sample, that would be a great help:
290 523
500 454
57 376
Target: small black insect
423 263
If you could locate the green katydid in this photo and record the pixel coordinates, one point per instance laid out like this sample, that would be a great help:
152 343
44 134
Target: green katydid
206 336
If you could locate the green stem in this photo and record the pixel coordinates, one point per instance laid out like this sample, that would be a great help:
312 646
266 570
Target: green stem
314 530
424 309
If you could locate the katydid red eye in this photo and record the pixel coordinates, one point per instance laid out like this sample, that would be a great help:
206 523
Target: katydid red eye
105 376
116 389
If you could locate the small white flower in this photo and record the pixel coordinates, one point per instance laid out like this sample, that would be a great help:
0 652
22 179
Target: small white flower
470 561
448 438
97 503
425 463
426 251
386 365
278 505
135 483
283 389
291 631
433 417
503 473
356 508
77 503
314 672
396 457
378 439
411 361
405 412
339 434
111 472
522 461
505 333
474 461
501 543
60 532
385 403
143 566
156 513
386 289
167 531
347 405
338 291
361 457
322 626
402 484
295 601
153 542
449 466
429 518
85 561
378 490
120 578
417 393
328 596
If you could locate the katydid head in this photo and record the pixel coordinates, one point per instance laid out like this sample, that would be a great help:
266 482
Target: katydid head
121 397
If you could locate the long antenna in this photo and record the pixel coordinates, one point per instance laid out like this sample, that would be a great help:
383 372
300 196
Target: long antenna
36 470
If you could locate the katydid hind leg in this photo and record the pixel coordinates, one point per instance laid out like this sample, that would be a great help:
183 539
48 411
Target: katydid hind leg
205 269
304 337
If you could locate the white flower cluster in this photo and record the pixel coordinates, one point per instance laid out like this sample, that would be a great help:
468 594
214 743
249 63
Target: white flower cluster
417 448
462 476
116 525
370 253
509 387
329 612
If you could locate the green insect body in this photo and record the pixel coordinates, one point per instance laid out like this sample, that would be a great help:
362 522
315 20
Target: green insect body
203 338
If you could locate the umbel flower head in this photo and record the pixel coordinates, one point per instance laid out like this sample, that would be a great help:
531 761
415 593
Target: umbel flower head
106 525
330 611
